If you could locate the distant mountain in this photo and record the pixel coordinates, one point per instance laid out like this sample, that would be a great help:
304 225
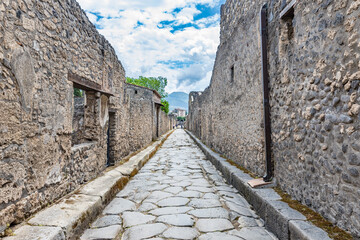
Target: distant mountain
178 100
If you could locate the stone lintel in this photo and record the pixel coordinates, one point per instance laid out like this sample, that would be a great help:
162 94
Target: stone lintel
288 10
86 84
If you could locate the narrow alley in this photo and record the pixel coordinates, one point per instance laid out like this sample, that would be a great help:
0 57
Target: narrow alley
178 194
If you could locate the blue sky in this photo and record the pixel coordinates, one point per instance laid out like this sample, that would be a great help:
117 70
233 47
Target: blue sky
176 39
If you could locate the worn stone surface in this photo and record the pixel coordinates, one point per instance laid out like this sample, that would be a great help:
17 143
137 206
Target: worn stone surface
69 213
135 218
109 232
106 221
181 233
144 231
314 98
35 232
163 215
119 205
254 233
306 231
180 220
213 225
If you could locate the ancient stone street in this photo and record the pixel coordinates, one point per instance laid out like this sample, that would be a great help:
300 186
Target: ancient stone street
178 194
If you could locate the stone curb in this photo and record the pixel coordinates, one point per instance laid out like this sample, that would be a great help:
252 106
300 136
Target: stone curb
285 222
71 215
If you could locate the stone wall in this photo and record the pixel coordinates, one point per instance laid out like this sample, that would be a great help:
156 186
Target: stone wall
141 110
47 48
314 60
41 43
164 124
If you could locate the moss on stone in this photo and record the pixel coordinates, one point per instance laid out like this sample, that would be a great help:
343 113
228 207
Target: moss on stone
315 218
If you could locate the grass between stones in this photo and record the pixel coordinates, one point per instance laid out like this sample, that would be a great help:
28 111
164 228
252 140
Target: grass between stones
334 232
315 218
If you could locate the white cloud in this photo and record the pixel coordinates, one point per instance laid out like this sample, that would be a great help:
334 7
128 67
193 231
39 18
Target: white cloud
147 50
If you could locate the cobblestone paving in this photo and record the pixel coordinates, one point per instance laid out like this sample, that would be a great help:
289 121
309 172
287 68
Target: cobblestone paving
178 194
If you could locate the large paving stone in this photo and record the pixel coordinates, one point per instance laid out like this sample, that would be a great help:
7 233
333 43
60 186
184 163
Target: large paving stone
139 196
204 203
210 196
189 194
253 233
200 189
213 225
106 221
110 232
210 213
180 220
181 184
119 205
174 190
239 209
144 231
146 206
181 233
135 218
201 182
158 195
39 233
173 202
247 222
219 236
170 210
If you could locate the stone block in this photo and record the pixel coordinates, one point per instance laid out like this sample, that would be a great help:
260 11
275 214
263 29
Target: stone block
303 230
126 169
71 214
105 186
27 232
277 217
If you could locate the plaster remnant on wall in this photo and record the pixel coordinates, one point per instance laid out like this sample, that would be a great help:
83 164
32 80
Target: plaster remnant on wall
23 69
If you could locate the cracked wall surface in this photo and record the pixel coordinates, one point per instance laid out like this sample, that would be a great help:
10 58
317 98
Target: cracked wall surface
314 62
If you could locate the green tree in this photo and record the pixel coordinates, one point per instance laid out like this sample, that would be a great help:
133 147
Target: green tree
181 118
165 106
158 84
78 92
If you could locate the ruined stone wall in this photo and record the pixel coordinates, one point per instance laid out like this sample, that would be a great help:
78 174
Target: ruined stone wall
40 43
314 61
226 123
165 123
140 109
315 109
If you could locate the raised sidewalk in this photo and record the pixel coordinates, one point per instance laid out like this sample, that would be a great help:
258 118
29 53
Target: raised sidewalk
285 222
67 218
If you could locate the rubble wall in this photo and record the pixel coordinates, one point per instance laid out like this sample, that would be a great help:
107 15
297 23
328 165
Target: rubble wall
314 61
41 43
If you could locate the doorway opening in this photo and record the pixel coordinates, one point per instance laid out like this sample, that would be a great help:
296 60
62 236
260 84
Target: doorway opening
111 140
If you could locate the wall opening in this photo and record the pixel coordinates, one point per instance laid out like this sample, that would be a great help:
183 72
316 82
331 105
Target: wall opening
157 120
287 15
111 139
78 121
232 73
85 117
